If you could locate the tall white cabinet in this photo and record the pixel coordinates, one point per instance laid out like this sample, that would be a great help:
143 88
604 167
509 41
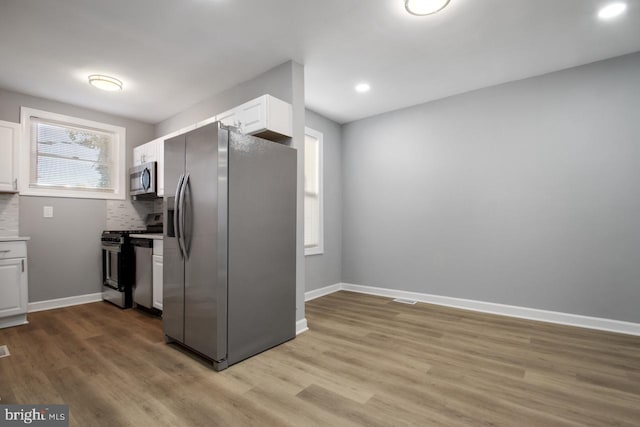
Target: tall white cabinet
8 157
13 282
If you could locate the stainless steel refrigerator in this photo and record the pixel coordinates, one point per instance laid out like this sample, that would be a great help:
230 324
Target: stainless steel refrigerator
229 243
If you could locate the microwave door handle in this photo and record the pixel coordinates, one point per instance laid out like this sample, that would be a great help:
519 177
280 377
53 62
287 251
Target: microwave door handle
176 213
185 184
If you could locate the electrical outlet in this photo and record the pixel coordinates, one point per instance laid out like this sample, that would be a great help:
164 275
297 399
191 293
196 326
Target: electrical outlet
48 212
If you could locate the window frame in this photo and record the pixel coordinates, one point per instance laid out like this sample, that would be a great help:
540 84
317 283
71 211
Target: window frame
120 148
319 248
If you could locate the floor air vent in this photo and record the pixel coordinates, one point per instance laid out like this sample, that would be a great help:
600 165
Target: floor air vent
405 301
4 351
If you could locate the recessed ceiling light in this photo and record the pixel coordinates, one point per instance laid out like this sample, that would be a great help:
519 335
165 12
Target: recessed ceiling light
425 7
363 87
612 10
105 82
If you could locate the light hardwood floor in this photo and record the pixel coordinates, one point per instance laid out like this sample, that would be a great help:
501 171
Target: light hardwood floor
365 361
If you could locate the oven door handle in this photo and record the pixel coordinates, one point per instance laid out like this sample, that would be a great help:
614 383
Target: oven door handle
176 213
112 247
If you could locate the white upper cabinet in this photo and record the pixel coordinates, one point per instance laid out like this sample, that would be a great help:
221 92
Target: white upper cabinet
8 157
145 153
266 116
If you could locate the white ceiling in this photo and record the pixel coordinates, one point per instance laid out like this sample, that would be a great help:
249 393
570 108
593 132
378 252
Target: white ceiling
173 53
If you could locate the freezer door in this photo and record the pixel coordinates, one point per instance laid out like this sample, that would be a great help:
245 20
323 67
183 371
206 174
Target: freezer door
262 245
204 236
173 263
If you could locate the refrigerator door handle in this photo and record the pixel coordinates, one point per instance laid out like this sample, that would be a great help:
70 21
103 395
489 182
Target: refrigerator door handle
181 239
176 213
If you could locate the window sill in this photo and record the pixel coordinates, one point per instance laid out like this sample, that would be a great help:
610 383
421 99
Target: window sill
71 194
313 251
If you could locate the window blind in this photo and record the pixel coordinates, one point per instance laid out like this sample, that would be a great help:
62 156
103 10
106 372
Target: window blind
71 157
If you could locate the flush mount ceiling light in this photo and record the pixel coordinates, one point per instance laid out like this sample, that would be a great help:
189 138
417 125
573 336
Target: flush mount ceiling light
612 10
425 7
363 87
103 82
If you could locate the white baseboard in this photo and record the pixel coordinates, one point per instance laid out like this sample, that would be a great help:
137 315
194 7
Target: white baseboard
9 322
301 326
63 302
577 320
317 293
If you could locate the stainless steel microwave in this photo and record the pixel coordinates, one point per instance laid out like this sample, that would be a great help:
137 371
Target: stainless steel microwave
142 180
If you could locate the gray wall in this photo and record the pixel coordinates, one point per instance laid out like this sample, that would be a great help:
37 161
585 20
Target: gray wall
526 193
64 251
276 82
286 82
326 269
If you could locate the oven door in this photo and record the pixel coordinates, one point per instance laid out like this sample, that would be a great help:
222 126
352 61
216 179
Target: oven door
111 253
142 180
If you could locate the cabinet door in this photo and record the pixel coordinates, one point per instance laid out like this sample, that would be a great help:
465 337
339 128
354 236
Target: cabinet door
228 118
150 152
253 115
159 143
157 282
13 287
8 157
138 154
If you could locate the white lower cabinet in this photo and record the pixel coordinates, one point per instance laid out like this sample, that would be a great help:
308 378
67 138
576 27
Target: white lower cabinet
157 274
13 284
157 282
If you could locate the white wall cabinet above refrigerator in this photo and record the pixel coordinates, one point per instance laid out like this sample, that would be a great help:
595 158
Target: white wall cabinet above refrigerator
266 116
8 157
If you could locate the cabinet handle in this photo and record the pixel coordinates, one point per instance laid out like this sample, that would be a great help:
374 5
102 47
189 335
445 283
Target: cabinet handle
5 251
15 184
23 266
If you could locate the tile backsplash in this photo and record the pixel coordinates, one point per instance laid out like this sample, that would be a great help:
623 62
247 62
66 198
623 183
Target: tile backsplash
9 214
130 215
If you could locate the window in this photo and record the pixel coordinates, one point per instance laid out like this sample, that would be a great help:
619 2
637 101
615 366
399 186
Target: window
65 156
313 227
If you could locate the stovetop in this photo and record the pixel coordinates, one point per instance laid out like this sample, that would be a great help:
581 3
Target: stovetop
122 236
127 232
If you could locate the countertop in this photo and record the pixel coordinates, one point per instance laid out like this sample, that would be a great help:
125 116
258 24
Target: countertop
14 238
147 236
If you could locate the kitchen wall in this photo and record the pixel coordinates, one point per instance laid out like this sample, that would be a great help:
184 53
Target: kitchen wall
526 194
64 251
285 82
326 269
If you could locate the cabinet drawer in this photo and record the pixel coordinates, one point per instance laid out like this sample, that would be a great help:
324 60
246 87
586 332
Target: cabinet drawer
13 250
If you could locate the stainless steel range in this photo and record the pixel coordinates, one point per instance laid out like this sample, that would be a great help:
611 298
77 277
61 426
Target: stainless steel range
117 267
119 263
